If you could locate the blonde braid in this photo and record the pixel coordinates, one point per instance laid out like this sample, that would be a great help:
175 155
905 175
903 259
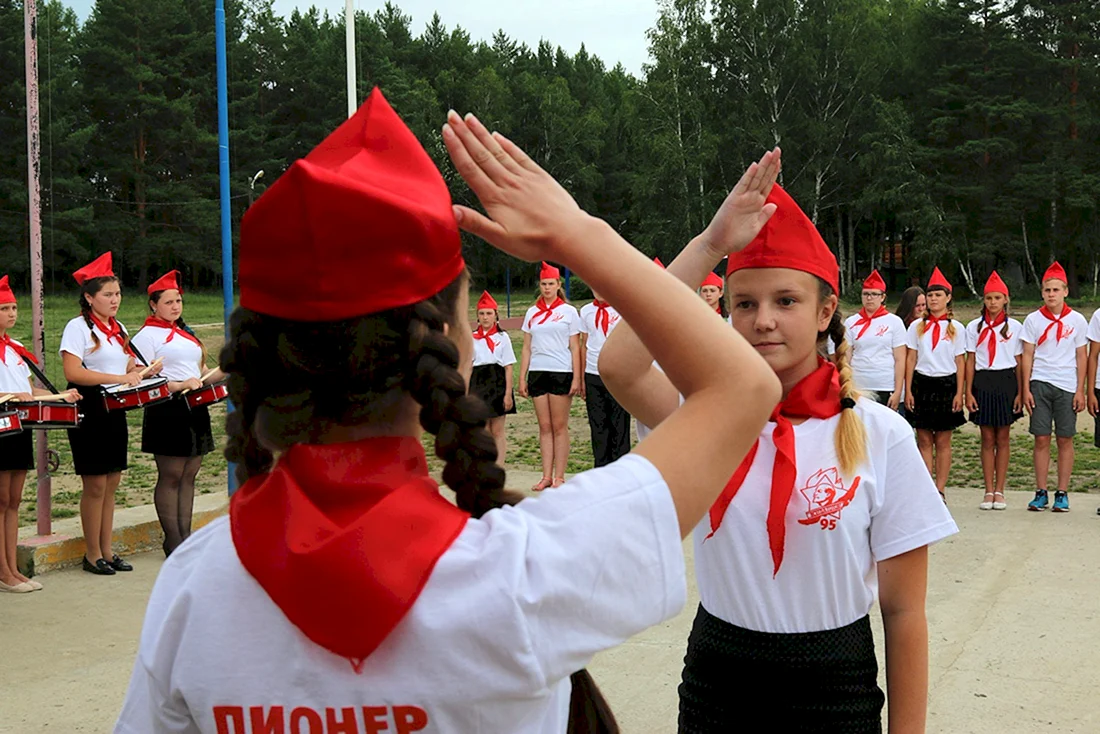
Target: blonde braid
950 323
851 434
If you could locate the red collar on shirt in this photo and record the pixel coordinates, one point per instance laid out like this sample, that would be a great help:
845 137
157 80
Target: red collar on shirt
865 321
173 329
1054 321
816 396
113 331
343 537
544 311
6 342
987 329
482 334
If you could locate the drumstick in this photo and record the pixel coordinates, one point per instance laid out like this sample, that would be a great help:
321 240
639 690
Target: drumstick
6 398
202 379
50 398
145 371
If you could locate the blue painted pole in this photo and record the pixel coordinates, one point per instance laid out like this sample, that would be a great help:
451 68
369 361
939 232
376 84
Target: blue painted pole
567 283
223 174
508 279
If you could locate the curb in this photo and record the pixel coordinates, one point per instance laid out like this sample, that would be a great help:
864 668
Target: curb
136 530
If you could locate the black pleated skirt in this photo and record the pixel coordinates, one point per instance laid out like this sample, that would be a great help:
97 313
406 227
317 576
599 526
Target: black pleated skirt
737 680
487 382
932 398
100 443
995 391
172 428
17 450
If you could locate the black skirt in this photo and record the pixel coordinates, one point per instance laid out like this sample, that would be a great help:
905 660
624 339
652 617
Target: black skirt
488 382
173 428
995 391
17 451
932 399
734 679
100 444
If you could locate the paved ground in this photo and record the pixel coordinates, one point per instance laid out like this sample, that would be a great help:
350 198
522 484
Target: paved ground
1014 608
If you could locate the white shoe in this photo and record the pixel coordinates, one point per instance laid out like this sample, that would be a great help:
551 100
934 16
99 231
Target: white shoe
20 588
999 505
987 505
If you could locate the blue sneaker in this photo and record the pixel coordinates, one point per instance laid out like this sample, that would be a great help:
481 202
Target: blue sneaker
1040 502
1061 502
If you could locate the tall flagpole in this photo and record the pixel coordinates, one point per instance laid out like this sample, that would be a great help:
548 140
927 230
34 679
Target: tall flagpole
223 173
349 41
34 207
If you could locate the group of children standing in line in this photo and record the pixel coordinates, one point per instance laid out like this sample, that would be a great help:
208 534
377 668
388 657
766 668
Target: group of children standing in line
995 368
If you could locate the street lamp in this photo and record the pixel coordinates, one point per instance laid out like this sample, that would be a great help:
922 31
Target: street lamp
252 186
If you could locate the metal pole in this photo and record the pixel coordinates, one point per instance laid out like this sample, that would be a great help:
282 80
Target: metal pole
349 41
567 283
223 173
34 207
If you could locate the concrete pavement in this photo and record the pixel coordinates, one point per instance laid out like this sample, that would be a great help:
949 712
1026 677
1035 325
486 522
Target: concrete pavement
1014 611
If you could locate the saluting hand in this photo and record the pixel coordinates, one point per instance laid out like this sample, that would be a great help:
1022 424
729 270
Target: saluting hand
746 210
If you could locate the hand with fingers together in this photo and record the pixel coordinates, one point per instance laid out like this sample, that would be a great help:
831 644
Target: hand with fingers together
746 209
529 213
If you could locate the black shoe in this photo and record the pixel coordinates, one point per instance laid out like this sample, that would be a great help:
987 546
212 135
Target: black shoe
100 568
118 564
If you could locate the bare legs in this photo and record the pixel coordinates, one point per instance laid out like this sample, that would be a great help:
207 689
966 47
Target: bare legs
11 494
552 412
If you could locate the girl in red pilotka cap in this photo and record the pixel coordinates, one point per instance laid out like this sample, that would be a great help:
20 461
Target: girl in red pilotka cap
993 389
828 507
935 371
95 352
877 339
550 372
344 592
711 291
16 450
177 434
491 379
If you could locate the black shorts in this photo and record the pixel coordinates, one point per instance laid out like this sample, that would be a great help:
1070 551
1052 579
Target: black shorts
548 383
17 450
171 428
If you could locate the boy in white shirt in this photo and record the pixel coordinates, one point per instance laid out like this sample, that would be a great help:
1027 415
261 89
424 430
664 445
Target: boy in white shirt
1053 366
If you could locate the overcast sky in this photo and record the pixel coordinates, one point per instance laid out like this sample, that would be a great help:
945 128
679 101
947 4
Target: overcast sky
614 30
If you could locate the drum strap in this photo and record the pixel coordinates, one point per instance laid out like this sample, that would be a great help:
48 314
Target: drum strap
40 375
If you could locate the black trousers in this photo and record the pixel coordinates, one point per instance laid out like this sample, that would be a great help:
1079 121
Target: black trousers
609 422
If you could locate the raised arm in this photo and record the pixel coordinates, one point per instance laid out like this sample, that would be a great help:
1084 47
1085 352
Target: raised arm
699 445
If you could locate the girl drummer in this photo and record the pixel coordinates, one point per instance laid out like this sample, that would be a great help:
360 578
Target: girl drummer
830 507
550 372
935 376
16 452
340 564
95 351
491 379
176 434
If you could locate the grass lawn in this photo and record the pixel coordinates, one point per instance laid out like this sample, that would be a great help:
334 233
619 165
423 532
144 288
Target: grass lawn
204 311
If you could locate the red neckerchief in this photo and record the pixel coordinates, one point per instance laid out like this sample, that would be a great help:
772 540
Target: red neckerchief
173 329
544 310
602 315
6 341
343 537
1066 310
482 334
865 321
987 330
935 321
816 396
114 331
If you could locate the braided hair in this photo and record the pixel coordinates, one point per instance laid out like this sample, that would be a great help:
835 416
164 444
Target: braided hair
1004 326
851 434
91 287
928 314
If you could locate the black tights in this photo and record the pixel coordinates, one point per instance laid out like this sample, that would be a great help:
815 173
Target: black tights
174 497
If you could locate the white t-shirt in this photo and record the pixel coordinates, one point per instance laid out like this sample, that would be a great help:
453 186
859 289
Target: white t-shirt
502 354
1056 361
110 358
550 340
524 597
872 355
828 578
15 375
595 336
182 357
938 362
1094 336
1008 348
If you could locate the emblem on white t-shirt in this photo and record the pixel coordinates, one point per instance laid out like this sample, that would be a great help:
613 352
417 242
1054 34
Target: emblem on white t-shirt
882 330
827 497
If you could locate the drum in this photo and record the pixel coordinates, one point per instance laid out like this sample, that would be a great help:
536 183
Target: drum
10 423
126 397
45 414
207 395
